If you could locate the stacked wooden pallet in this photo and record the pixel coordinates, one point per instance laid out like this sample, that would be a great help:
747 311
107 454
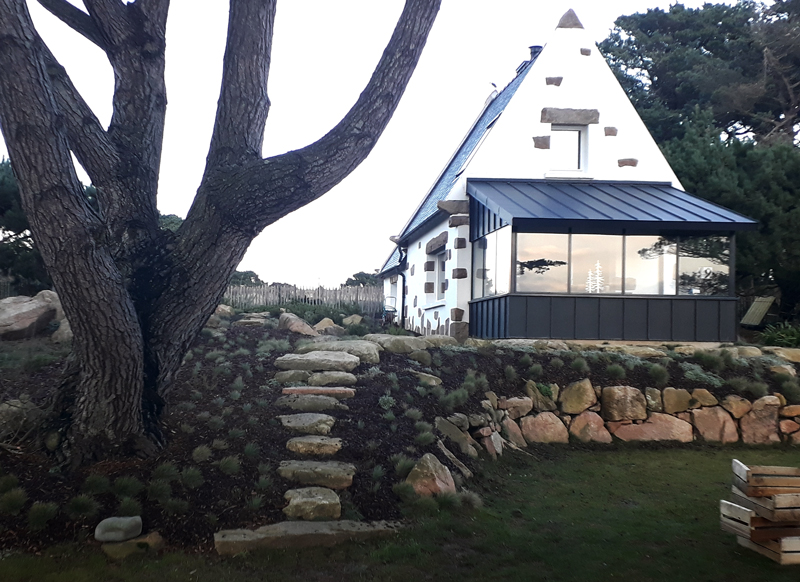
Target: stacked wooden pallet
765 511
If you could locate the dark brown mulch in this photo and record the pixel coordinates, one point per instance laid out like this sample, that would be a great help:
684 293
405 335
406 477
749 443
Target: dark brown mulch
225 501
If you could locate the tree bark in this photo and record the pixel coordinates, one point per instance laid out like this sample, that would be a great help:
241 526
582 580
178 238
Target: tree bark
137 296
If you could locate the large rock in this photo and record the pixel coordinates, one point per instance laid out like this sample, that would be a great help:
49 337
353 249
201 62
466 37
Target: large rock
224 311
309 402
354 319
676 400
427 379
760 425
623 403
703 397
312 504
639 351
323 323
465 443
320 446
332 379
367 352
398 344
577 397
334 331
512 432
659 427
300 534
544 428
440 341
736 405
63 334
294 323
315 361
589 427
430 477
715 425
749 352
788 354
518 407
118 529
541 403
308 423
23 317
331 474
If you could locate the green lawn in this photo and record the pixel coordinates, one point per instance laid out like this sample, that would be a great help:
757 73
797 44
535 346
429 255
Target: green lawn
606 514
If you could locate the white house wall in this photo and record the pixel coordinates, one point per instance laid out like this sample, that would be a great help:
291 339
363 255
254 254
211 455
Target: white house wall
425 314
571 74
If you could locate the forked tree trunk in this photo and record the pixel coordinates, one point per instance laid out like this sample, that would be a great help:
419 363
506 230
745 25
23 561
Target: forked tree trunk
137 296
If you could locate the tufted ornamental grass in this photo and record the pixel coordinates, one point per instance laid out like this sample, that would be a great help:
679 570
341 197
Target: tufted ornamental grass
40 514
230 465
12 501
615 372
129 507
192 478
165 472
201 454
127 486
96 485
82 507
659 375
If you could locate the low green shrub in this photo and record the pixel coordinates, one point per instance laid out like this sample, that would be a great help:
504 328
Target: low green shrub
425 438
159 490
252 451
790 390
747 386
201 454
7 483
39 514
615 372
82 507
174 506
413 414
165 472
127 486
129 507
580 366
230 465
403 466
510 373
659 374
535 371
12 501
454 399
192 478
556 363
710 361
694 372
386 402
782 334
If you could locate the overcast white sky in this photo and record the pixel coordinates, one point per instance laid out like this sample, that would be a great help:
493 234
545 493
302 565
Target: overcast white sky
323 54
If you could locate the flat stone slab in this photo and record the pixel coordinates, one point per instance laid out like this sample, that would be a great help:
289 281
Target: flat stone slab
368 352
312 504
310 403
308 422
398 344
300 534
318 361
331 474
332 379
292 376
338 392
314 445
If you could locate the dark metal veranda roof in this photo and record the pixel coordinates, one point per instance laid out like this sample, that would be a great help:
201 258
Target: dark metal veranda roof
641 205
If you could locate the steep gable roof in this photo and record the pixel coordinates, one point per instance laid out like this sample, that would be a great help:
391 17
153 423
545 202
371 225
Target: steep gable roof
444 183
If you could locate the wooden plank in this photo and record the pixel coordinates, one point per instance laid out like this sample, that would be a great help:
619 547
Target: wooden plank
774 470
734 527
773 533
740 469
786 501
771 554
753 491
755 314
737 512
763 506
773 481
772 550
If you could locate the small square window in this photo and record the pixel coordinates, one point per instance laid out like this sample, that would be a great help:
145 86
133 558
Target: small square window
568 148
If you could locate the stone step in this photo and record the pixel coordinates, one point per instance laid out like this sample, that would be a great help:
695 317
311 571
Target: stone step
318 361
314 445
308 422
300 534
332 378
312 504
338 392
331 474
310 403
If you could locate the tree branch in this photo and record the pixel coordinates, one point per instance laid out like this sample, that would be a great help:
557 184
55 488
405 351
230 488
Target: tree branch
76 19
262 191
243 103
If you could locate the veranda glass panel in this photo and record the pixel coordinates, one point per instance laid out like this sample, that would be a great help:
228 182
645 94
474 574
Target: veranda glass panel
704 265
478 267
596 264
650 265
502 280
541 262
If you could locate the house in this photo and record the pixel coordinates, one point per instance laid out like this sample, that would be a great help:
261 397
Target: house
559 217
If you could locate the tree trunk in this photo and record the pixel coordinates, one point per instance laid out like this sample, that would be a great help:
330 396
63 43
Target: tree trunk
137 296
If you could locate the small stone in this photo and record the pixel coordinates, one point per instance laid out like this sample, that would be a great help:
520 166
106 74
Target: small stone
541 403
749 352
788 426
295 324
292 376
331 474
492 398
790 411
338 392
639 351
367 352
308 423
309 403
320 360
460 420
149 544
323 323
653 398
314 445
785 369
455 434
332 379
312 504
477 420
354 319
51 440
334 331
118 529
427 379
430 477
421 356
398 344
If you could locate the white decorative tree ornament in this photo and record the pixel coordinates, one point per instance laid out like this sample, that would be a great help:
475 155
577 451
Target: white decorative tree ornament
595 283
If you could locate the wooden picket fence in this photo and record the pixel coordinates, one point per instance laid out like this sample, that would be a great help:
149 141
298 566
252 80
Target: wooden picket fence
370 300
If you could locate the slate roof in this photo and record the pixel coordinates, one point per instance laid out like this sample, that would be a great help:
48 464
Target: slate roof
447 179
628 204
